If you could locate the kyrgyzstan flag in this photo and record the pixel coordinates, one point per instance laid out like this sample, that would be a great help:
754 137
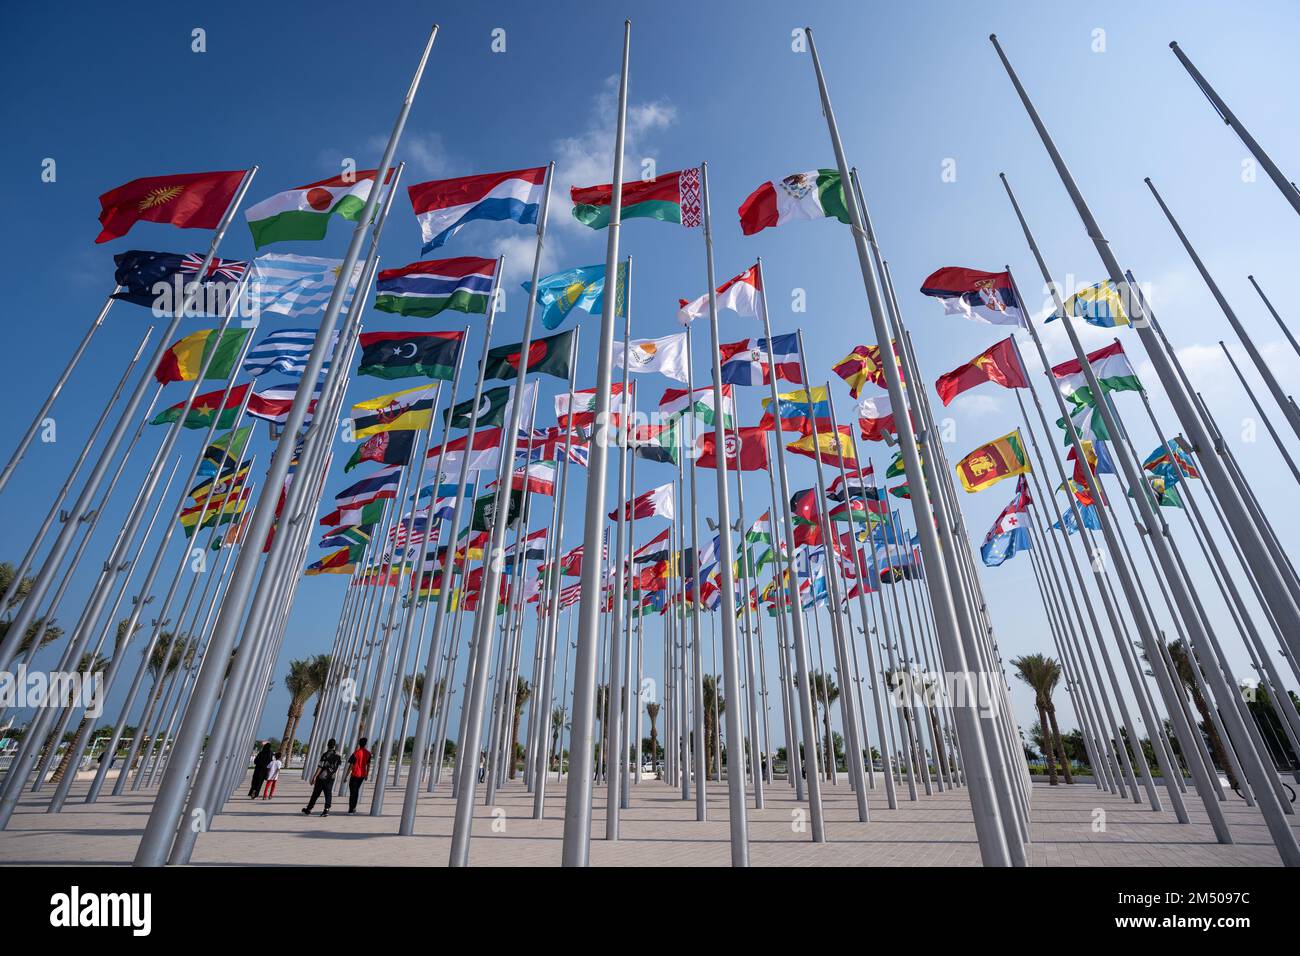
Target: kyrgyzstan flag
187 200
745 448
655 502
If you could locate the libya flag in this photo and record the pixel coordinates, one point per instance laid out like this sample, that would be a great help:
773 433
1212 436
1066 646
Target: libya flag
987 465
205 408
485 510
549 355
816 194
672 197
304 213
410 354
491 410
183 361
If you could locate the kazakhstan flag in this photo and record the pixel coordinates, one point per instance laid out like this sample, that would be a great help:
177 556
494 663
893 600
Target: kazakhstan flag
1099 305
582 287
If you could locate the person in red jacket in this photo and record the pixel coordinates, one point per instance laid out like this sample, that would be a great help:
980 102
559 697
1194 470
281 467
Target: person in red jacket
359 761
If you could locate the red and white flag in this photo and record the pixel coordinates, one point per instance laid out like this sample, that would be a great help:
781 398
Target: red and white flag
745 448
740 295
658 502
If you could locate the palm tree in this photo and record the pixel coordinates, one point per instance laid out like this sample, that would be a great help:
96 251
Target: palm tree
557 728
299 684
710 682
7 574
824 690
1043 673
1184 662
523 690
652 711
86 666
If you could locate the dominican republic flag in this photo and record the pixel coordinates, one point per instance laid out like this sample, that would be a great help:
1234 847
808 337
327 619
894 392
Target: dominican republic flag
273 404
979 296
444 205
740 295
1008 535
655 502
382 484
424 289
745 363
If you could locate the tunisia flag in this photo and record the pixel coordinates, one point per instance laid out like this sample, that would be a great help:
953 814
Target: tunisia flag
186 200
997 364
745 448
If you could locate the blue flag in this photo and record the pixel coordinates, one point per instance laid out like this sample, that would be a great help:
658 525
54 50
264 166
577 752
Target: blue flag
582 287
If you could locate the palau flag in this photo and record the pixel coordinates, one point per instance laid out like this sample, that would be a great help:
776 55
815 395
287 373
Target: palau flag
582 287
1099 305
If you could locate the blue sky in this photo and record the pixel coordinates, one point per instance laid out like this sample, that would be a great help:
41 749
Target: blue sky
917 89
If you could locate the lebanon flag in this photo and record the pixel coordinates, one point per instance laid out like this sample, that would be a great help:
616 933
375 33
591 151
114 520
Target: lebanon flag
979 296
582 408
876 418
445 205
739 295
816 194
747 454
186 200
672 197
304 212
655 502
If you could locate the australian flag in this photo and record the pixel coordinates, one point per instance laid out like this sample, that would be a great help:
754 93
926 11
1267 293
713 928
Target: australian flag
139 273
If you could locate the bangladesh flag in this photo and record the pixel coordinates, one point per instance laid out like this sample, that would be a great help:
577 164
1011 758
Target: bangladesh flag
182 362
206 408
410 354
672 197
987 465
549 355
491 410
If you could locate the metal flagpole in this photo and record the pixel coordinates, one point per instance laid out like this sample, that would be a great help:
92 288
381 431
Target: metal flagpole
1284 185
1268 424
751 680
1277 318
793 778
700 749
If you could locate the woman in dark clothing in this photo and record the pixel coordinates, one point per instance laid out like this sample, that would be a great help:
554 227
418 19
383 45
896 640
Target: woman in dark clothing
260 764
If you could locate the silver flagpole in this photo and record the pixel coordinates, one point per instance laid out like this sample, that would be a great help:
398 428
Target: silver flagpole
1277 318
577 805
699 753
1250 393
166 814
783 657
35 426
751 678
1284 185
994 849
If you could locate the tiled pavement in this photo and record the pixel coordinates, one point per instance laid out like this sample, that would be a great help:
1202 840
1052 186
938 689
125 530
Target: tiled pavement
658 830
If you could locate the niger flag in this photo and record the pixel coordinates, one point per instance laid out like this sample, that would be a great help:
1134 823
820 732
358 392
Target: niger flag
181 362
989 464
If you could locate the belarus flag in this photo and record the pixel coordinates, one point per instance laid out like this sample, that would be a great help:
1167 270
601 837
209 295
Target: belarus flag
745 363
739 295
443 206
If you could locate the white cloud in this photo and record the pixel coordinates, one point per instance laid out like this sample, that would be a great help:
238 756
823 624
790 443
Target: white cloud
977 404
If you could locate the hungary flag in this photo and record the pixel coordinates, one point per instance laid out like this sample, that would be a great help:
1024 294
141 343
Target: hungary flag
410 354
205 408
816 194
761 530
182 362
304 213
549 355
672 197
1109 364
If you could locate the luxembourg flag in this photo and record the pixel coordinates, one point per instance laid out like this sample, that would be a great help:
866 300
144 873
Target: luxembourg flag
444 205
740 295
745 363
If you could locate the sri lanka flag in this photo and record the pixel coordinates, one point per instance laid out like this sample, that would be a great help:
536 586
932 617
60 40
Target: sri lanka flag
444 205
979 296
745 363
1008 535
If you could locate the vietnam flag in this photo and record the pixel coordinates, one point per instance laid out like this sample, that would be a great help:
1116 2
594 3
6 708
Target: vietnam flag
998 364
745 448
186 200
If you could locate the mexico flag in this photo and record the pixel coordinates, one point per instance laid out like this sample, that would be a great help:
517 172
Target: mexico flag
816 194
304 213
740 295
672 197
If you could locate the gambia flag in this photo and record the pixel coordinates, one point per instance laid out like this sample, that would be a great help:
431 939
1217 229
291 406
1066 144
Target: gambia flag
549 355
672 197
304 213
987 465
426 288
816 194
205 408
410 354
182 362
1109 364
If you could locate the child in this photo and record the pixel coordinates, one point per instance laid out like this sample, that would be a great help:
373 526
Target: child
272 775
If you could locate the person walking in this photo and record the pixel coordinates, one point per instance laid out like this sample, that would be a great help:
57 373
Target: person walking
272 775
260 763
323 779
359 761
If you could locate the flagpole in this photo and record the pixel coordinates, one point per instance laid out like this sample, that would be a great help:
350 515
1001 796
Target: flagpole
1276 318
783 656
631 692
747 574
1290 463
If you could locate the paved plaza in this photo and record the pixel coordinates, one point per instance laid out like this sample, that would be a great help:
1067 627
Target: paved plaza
659 829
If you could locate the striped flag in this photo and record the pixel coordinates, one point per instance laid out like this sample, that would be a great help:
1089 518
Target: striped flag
295 285
445 205
273 404
426 288
284 350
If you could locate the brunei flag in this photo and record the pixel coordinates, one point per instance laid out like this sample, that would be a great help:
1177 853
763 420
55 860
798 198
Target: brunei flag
410 354
182 362
549 355
987 465
205 408
398 411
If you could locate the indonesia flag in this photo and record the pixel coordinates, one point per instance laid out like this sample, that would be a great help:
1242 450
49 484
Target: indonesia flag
979 296
745 363
657 501
443 206
739 295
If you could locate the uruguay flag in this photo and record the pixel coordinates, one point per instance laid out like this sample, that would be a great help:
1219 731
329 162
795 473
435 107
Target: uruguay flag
443 206
745 363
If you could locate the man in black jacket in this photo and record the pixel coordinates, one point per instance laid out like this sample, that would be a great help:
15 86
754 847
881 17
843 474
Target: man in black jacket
323 781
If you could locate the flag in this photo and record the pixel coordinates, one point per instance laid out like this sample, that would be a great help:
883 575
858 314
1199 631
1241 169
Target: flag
336 562
803 507
1088 422
798 411
903 491
854 510
205 408
185 200
424 289
745 362
655 442
443 206
218 486
836 447
582 287
381 484
533 547
485 509
855 483
214 513
410 354
369 513
986 297
897 467
295 285
570 565
387 448
677 402
581 411
1100 305
740 295
1111 367
990 463
863 365
745 448
876 419
1159 463
666 355
139 274
656 502
672 197
182 362
304 213
654 550
284 350
484 455
536 476
1008 534
410 408
998 363
491 410
224 452
816 194
1166 496
356 537
1098 459
549 355
273 404
1090 519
